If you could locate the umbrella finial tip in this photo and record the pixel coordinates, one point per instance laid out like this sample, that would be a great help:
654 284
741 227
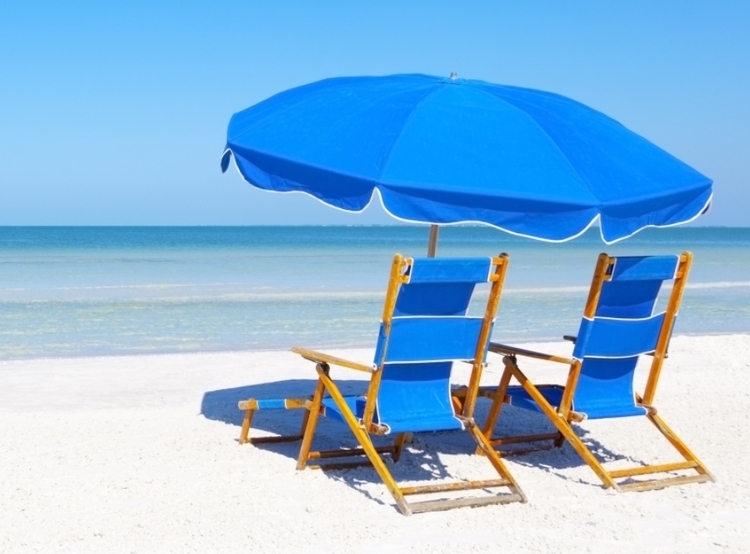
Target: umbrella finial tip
454 76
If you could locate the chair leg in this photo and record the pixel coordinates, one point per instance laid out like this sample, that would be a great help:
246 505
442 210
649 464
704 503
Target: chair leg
376 461
495 408
252 405
398 445
303 425
681 447
494 459
494 414
564 427
497 404
246 426
608 477
311 422
364 440
691 462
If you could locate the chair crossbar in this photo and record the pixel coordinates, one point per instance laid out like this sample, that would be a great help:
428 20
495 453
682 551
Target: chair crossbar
344 452
520 439
664 483
340 465
520 451
274 440
394 451
460 486
283 403
472 502
252 405
645 470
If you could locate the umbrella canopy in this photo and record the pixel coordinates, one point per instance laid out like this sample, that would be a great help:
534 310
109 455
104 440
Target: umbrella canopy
445 151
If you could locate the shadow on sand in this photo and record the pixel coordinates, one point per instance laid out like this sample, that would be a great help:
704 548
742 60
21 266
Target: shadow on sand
421 460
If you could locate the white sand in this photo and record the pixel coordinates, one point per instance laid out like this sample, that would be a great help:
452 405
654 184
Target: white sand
114 454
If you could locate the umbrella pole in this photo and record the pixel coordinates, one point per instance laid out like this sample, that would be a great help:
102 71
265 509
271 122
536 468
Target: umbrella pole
432 246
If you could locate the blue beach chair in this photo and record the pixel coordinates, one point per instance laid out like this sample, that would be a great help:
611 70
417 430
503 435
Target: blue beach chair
618 326
425 329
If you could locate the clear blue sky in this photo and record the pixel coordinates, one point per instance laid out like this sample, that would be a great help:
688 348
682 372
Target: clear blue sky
116 112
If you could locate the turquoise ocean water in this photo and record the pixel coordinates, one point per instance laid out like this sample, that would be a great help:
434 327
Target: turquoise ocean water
73 291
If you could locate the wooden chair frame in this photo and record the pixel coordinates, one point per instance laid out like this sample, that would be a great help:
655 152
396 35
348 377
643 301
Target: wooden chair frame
366 426
562 417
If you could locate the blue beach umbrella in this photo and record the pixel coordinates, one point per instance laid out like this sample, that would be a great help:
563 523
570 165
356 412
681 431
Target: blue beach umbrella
447 150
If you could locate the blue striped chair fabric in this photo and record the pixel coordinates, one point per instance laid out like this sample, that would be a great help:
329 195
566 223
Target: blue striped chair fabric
619 325
428 332
609 344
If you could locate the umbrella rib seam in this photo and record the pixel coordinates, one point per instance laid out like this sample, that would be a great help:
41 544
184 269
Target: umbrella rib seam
437 88
550 139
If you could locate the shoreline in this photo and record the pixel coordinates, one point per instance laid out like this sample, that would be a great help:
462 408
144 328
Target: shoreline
527 343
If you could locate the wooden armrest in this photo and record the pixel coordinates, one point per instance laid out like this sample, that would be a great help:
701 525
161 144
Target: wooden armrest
319 357
505 349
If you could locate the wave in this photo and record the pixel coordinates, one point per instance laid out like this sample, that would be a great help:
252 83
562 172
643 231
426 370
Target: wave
281 297
585 289
267 294
719 285
146 286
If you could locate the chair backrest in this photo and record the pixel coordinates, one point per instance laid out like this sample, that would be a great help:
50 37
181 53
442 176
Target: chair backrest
425 328
619 325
